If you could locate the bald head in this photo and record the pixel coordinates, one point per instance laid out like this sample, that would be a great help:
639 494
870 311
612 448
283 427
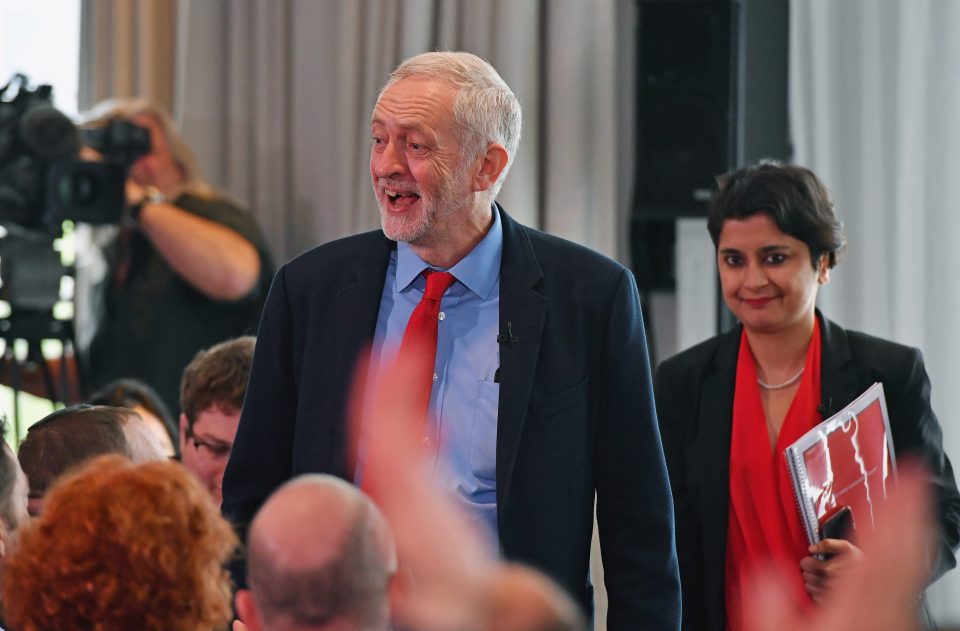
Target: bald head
320 553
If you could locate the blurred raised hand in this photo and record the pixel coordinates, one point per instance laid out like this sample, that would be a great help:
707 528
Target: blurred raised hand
448 578
881 591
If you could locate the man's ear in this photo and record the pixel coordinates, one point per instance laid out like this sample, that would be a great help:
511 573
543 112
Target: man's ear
492 164
247 610
183 431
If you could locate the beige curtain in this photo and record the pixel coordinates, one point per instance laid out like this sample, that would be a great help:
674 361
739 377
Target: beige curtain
127 49
873 109
275 97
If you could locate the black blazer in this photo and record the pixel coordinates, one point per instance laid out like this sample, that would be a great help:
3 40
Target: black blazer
694 394
576 412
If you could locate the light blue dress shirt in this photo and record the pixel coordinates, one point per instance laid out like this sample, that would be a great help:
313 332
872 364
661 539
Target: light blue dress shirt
464 398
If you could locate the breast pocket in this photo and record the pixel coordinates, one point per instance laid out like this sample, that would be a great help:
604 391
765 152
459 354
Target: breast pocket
483 431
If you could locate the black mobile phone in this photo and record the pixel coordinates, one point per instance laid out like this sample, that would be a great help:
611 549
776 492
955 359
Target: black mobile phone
838 524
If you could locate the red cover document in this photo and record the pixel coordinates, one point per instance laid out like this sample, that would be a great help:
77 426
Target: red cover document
847 460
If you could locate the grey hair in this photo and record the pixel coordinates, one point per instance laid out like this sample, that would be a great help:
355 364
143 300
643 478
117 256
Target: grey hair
127 108
485 108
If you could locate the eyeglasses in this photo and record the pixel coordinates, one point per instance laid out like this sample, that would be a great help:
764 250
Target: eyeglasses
217 449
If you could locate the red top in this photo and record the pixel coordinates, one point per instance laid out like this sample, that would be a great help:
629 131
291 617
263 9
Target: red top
765 529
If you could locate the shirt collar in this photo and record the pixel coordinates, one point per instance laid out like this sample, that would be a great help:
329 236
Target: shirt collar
478 270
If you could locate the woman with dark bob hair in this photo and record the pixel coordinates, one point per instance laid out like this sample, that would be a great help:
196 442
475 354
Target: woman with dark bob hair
122 546
729 406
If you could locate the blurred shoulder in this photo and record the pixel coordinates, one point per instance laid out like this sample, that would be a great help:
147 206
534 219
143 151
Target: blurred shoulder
333 267
561 255
349 252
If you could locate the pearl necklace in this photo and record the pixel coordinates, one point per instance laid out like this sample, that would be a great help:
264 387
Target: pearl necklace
779 386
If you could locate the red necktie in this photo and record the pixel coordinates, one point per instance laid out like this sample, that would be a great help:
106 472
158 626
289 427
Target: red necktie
420 336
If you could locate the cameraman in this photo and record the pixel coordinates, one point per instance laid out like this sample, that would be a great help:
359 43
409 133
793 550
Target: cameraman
187 267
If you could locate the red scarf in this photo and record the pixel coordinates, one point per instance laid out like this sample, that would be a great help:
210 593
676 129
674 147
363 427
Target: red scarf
764 522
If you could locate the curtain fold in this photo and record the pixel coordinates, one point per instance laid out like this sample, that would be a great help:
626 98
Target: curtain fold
875 91
276 99
127 49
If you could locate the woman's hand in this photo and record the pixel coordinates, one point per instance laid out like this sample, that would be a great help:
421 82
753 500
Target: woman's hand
819 575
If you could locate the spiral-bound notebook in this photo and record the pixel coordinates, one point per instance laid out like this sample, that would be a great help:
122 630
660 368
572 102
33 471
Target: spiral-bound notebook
847 460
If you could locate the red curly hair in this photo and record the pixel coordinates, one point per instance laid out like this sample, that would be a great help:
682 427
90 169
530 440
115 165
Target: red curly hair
121 546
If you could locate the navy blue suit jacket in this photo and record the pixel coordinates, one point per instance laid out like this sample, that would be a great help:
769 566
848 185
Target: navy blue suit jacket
576 412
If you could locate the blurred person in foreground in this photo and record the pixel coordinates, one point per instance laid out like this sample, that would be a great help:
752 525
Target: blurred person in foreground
880 593
322 555
188 267
122 546
212 389
537 389
729 406
319 555
73 435
144 400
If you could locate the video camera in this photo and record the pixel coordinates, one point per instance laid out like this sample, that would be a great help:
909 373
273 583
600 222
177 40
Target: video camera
42 180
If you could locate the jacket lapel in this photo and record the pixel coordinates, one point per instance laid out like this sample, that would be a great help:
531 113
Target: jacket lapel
841 380
523 310
358 304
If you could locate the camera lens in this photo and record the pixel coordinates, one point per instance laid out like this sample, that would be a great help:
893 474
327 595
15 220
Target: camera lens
78 188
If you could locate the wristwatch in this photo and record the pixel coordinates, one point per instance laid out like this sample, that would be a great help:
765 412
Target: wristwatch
151 195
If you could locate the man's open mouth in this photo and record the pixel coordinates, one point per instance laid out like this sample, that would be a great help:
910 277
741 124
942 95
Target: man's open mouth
400 200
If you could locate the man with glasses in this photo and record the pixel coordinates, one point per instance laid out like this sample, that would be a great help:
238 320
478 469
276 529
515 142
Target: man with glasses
211 395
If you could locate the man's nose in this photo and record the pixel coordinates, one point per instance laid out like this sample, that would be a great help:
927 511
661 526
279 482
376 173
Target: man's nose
389 161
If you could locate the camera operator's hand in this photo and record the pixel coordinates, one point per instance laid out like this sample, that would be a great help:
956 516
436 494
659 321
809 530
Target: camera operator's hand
213 258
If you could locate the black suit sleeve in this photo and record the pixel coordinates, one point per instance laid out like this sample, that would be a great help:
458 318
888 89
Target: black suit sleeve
262 451
675 398
634 512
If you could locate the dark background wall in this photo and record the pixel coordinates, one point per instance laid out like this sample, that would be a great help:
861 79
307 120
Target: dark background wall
711 95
